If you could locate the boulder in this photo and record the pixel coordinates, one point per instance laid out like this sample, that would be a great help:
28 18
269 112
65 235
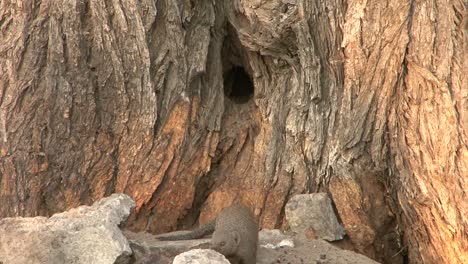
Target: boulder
87 234
200 256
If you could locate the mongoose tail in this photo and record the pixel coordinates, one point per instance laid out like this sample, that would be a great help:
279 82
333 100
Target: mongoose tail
194 234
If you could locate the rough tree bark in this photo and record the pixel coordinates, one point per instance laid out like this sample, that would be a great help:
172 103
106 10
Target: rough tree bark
188 105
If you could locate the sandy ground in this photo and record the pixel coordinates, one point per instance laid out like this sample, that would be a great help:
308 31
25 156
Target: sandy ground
304 251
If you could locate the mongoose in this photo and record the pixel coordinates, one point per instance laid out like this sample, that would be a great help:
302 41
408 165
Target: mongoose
235 234
199 232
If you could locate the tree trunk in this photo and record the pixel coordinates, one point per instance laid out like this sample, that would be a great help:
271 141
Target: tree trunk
189 105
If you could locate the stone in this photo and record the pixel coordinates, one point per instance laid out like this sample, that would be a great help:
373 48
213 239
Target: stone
200 256
312 215
274 238
87 234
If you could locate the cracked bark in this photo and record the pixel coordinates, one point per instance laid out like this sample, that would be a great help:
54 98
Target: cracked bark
365 100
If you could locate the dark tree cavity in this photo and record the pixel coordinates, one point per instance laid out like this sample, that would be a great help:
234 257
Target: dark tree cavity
237 85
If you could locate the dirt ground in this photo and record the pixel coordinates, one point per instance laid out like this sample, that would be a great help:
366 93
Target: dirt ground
148 250
314 251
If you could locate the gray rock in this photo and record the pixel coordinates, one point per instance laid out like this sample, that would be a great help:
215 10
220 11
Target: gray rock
313 215
87 234
200 256
274 238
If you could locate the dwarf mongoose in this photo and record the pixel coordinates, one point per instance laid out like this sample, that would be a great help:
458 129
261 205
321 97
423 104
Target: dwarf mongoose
235 234
199 232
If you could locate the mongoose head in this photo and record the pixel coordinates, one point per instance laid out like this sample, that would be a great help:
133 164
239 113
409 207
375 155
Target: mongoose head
225 243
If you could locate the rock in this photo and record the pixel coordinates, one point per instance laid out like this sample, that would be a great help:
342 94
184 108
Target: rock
274 238
200 256
285 243
312 215
87 234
